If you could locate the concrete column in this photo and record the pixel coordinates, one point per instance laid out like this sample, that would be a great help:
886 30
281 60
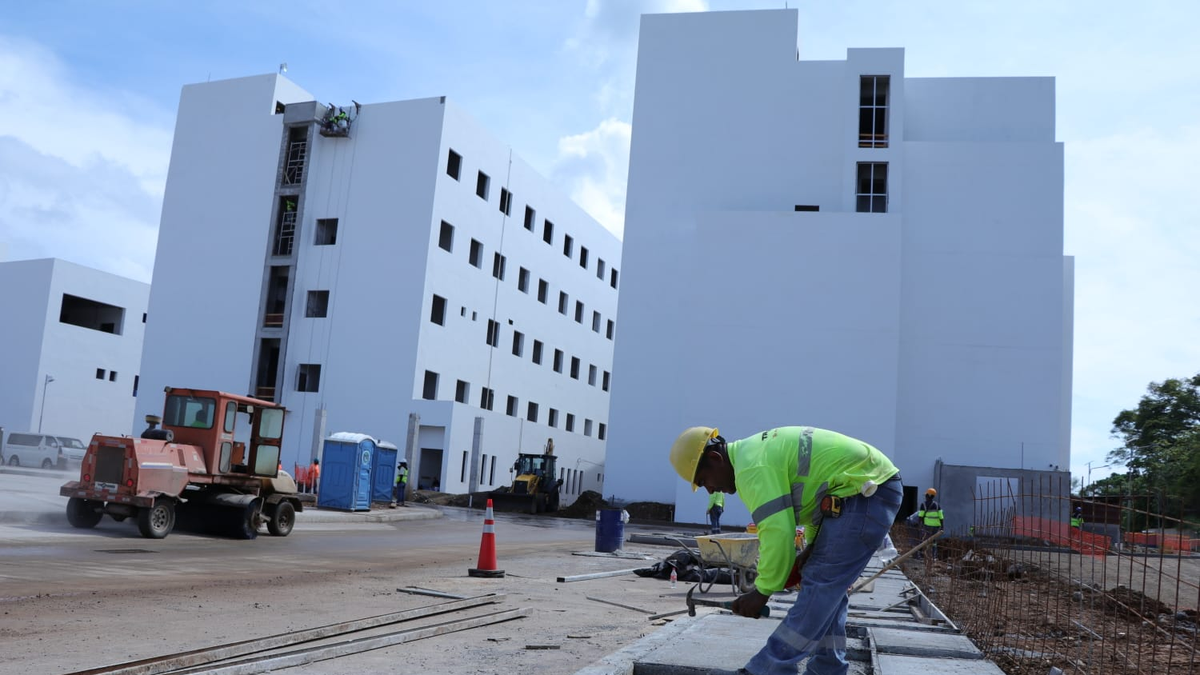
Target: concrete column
412 453
476 448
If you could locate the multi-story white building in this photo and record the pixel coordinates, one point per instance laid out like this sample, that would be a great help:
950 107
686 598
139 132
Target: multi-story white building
835 244
358 274
72 347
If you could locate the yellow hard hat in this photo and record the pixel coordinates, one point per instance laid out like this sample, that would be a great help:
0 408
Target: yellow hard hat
931 491
687 450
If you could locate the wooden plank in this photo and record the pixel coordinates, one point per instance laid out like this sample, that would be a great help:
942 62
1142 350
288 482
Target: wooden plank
199 657
597 575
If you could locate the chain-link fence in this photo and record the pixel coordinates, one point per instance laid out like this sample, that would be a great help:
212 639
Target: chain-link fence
1040 580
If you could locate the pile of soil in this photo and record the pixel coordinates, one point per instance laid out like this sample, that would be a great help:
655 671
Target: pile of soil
1132 604
654 511
585 506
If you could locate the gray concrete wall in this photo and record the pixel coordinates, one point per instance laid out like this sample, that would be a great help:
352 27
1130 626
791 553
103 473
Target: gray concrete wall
1001 494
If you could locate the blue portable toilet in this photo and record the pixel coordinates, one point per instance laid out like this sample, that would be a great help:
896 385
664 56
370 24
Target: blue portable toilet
346 472
383 471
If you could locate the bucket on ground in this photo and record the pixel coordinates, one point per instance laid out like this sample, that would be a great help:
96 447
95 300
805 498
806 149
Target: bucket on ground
610 529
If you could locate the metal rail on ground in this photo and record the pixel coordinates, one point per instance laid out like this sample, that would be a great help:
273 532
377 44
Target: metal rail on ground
199 657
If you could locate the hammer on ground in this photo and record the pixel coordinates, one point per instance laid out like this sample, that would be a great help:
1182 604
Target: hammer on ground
692 603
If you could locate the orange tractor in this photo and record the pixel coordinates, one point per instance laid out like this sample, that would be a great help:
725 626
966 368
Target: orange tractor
214 462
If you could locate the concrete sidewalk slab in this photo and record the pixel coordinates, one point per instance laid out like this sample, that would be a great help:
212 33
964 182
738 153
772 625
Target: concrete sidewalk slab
939 645
892 664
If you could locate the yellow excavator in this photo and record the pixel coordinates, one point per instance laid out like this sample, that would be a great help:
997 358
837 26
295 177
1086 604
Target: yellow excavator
534 488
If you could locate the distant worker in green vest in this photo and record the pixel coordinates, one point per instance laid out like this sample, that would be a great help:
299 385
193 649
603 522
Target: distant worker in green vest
1077 517
716 506
401 483
931 517
843 491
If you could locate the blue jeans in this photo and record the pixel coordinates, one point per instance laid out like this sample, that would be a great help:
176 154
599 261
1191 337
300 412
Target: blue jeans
816 623
714 519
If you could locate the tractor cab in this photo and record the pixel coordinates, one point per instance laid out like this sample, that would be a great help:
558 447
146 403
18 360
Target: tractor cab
237 434
532 473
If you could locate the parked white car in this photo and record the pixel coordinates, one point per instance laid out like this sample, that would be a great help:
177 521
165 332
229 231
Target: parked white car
32 450
73 449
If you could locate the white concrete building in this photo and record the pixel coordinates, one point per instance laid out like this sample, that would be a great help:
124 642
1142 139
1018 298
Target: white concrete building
835 244
71 349
358 279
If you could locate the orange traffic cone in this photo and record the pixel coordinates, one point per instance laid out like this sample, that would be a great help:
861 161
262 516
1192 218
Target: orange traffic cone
486 567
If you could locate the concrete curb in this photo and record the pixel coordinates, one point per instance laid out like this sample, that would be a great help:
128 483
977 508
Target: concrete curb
315 516
622 661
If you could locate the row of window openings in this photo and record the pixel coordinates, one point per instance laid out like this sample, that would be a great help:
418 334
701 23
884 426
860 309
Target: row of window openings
437 312
111 376
475 257
482 183
487 401
572 478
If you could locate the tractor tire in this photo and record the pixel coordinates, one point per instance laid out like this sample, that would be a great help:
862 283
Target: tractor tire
156 522
47 464
14 461
82 513
245 521
281 524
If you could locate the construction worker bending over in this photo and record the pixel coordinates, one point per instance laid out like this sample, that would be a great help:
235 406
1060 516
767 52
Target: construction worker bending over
844 493
931 517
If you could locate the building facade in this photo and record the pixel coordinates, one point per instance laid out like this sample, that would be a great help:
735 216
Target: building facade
72 348
388 269
836 244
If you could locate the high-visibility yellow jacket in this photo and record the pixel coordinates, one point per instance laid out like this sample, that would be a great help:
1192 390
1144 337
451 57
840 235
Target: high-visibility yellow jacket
716 499
1076 521
931 514
781 476
402 475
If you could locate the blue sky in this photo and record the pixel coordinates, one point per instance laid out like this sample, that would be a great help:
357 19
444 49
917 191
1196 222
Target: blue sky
89 90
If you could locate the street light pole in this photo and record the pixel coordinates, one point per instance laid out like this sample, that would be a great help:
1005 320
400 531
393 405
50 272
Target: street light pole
41 415
1089 466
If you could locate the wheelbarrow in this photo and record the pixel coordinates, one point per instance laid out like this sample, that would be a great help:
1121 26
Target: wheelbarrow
736 552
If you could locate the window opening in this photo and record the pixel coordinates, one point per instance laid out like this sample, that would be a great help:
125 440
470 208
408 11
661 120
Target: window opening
518 343
530 216
462 390
537 352
552 420
574 367
308 377
871 193
583 257
602 435
604 381
558 360
592 375
511 408
548 232
476 254
872 111
327 229
429 392
595 322
437 311
317 305
568 245
505 201
612 278
543 290
453 164
532 412
562 303
481 185
487 398
523 280
570 422
493 333
90 314
498 263
446 237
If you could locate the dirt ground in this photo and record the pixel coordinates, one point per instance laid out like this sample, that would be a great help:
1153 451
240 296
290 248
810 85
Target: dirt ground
76 627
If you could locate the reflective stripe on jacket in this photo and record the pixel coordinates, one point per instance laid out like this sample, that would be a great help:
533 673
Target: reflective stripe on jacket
782 474
931 514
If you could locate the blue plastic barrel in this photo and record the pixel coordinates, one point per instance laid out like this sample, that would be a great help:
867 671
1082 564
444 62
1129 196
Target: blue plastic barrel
610 530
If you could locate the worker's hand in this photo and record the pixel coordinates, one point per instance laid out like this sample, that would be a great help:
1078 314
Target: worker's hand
749 604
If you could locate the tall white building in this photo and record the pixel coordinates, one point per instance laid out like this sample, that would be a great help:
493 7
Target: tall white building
357 275
835 244
71 348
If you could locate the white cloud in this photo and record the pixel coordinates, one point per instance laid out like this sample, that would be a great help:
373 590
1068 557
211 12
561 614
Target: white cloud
593 167
82 170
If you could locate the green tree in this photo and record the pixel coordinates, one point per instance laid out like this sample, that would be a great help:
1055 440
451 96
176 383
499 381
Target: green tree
1161 447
